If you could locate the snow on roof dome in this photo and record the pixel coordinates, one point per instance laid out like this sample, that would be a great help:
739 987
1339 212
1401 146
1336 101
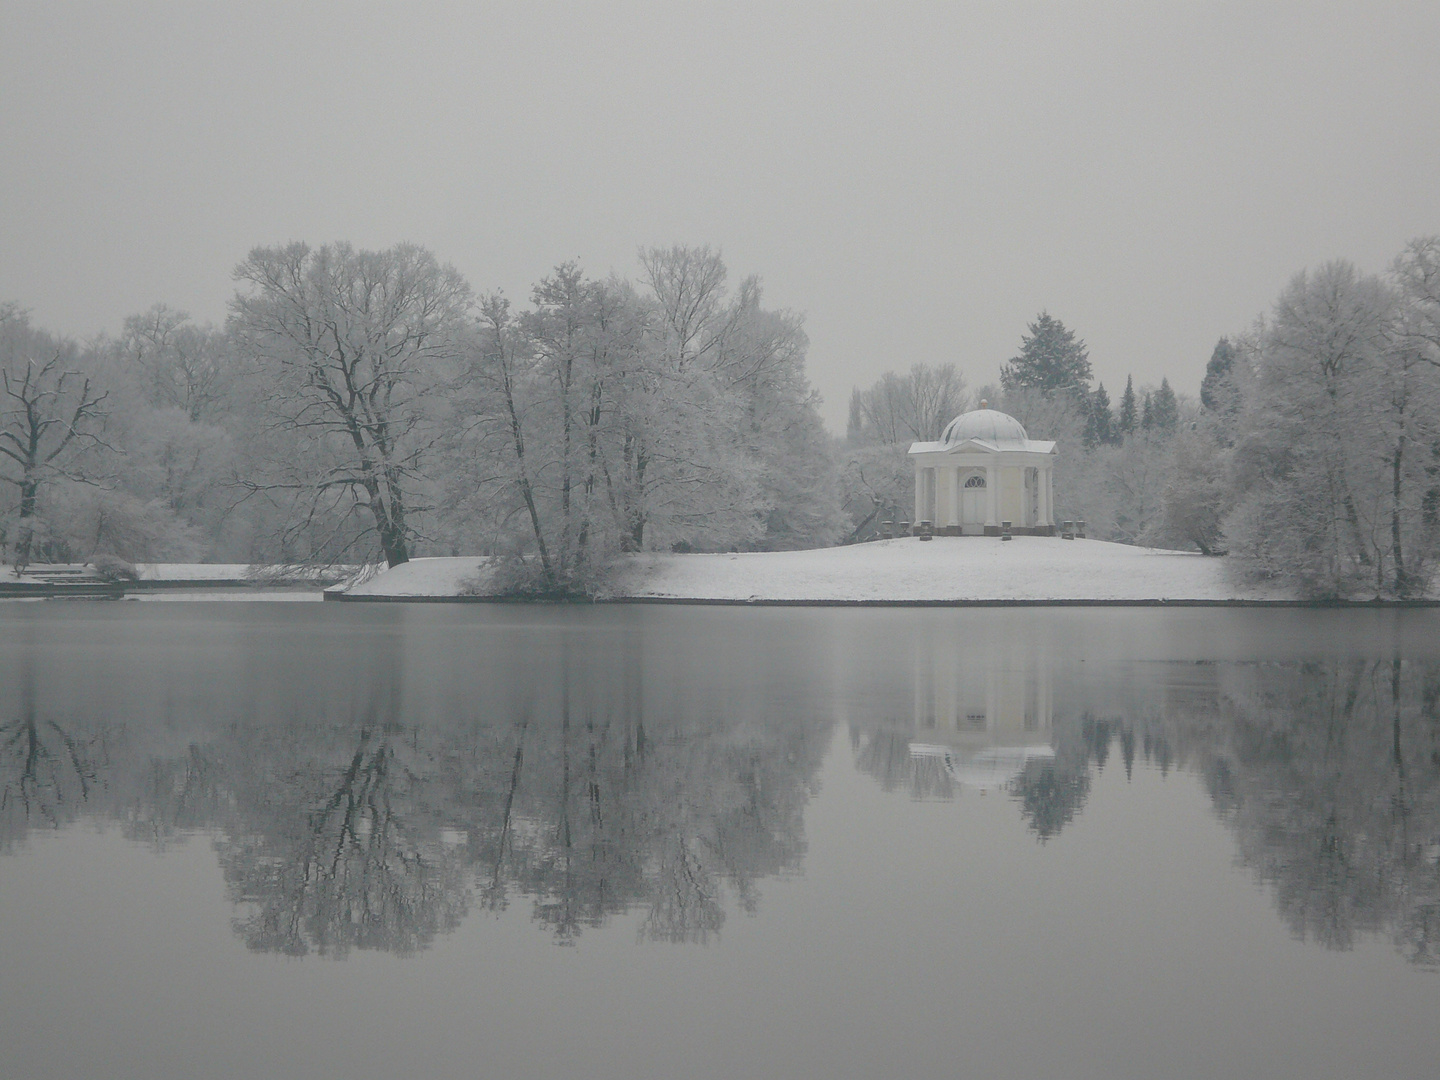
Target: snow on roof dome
988 425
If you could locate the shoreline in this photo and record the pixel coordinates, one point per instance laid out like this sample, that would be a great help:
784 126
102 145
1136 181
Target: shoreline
698 601
978 572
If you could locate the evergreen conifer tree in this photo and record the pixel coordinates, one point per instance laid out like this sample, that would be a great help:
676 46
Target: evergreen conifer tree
1126 423
1051 359
1099 425
1221 361
1164 409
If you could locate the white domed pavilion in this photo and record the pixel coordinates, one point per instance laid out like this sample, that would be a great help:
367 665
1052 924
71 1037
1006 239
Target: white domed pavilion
985 470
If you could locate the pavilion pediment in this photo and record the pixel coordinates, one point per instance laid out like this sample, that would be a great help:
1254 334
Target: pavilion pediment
972 446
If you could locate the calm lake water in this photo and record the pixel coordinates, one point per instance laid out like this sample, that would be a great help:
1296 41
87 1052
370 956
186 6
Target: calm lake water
274 840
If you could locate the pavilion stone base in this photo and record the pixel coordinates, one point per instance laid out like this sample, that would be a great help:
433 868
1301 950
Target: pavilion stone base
993 530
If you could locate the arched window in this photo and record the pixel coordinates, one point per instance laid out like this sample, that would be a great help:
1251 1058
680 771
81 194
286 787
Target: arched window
975 482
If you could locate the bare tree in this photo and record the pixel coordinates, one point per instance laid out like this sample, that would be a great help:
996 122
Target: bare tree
354 346
689 285
181 365
50 417
915 405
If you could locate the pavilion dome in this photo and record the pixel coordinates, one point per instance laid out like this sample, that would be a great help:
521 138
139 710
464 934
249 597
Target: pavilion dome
988 425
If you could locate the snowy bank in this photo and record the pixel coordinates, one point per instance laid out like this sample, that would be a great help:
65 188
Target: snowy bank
1028 569
181 581
423 578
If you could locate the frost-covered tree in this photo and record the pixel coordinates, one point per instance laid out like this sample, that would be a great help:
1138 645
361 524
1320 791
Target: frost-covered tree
1119 490
52 418
877 480
546 427
761 358
176 364
877 484
1411 411
1326 497
1196 493
753 421
909 407
183 412
354 347
606 419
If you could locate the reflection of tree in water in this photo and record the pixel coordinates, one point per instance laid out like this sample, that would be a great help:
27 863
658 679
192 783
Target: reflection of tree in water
560 790
376 835
886 756
334 855
47 775
174 796
48 771
589 798
597 814
1049 795
584 813
1050 791
1329 775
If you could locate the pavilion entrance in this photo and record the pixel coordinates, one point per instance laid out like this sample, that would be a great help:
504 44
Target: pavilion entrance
974 505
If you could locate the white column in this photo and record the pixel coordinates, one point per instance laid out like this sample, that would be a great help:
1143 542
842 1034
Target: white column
1047 502
992 494
919 492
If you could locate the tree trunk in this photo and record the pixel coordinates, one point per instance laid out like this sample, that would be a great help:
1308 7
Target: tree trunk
29 488
517 437
567 424
1354 520
1402 584
637 512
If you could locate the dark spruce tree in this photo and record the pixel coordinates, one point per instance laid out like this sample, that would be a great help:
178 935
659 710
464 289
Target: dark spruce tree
1128 420
1099 424
1165 410
1051 359
1217 391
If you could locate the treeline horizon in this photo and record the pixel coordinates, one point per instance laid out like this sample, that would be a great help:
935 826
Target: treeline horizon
361 405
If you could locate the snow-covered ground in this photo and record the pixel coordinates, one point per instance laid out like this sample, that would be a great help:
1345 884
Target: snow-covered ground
1028 568
238 572
227 594
193 571
424 577
949 568
174 581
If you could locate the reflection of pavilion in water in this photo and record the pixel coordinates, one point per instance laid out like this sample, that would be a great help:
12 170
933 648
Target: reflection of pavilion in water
971 702
980 721
972 718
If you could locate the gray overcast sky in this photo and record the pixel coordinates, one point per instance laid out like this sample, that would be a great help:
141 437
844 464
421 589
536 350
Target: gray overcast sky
920 180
